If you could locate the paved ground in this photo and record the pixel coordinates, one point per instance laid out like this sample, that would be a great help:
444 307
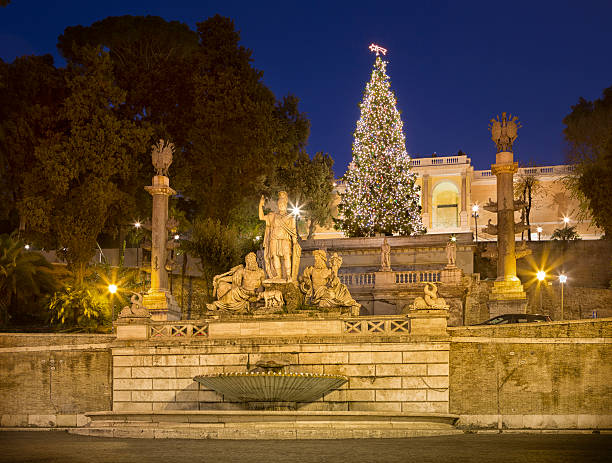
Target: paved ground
41 446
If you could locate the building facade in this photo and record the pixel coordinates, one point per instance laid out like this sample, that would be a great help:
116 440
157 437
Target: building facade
450 187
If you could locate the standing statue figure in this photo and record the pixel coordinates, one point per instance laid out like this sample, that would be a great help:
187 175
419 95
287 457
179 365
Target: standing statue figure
451 252
161 155
322 286
385 256
236 289
281 249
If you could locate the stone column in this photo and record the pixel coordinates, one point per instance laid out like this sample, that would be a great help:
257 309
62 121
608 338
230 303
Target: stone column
463 215
425 201
160 190
507 295
158 300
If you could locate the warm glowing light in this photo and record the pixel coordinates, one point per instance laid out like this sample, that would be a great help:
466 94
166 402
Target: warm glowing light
177 237
562 278
475 208
137 224
566 220
541 275
378 49
112 288
539 229
453 238
296 211
27 247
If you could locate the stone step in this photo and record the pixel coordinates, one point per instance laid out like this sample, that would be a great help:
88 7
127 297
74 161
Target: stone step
266 425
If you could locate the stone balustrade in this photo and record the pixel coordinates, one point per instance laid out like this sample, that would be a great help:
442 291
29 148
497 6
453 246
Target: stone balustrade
419 322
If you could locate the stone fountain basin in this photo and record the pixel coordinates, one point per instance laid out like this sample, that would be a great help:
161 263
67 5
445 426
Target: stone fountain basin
262 387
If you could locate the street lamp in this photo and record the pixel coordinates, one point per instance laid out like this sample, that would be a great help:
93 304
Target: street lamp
566 220
562 280
112 289
475 215
541 275
539 229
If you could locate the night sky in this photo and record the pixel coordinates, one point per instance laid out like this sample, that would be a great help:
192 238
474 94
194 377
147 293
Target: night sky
453 65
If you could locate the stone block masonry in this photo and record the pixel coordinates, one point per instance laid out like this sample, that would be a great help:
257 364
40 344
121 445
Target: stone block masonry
395 374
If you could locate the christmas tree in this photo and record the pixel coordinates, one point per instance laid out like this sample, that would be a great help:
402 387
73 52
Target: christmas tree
381 195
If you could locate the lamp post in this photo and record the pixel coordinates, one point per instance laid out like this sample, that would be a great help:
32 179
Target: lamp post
541 275
475 215
539 229
562 280
112 289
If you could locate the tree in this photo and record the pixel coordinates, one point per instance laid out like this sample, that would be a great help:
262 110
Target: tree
199 90
23 275
309 182
218 247
565 234
72 191
381 195
30 99
588 132
526 188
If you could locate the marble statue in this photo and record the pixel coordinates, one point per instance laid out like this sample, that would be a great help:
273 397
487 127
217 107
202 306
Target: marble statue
237 289
504 132
136 310
385 256
431 299
451 252
322 286
161 154
281 249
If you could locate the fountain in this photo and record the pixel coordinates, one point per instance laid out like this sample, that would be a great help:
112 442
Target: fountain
269 387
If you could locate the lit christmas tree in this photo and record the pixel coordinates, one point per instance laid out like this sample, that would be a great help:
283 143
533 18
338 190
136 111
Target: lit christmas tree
381 195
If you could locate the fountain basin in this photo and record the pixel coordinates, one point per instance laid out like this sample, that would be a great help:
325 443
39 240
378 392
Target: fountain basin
271 390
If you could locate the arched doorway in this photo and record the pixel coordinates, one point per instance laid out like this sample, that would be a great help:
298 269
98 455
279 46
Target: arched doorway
445 205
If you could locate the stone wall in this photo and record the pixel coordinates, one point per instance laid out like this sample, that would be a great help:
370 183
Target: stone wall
396 375
587 263
52 380
534 376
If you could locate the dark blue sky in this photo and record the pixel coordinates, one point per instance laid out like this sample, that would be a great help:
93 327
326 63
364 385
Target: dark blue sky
453 65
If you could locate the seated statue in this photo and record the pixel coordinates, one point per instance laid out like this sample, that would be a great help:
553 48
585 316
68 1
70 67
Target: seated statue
322 286
431 299
239 287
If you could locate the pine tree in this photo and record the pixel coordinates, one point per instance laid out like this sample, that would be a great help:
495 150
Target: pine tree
381 195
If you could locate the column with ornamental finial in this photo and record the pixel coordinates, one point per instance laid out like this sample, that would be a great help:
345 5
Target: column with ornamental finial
158 300
507 295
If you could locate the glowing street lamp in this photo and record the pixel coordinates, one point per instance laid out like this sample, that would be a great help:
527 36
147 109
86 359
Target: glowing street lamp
541 276
27 247
112 289
137 224
177 237
562 280
475 215
539 229
566 220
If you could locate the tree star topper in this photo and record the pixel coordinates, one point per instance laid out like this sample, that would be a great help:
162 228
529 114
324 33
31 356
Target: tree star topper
378 49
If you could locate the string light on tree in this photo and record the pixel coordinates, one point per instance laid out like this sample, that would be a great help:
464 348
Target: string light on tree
381 195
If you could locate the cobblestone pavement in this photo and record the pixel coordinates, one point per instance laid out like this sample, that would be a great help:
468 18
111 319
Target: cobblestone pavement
57 446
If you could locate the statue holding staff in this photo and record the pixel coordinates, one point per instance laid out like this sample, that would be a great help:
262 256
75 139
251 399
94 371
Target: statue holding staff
281 249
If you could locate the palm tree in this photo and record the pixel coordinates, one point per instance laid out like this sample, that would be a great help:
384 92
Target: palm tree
23 274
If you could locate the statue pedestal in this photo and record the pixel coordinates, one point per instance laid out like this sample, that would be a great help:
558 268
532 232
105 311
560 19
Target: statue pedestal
291 293
162 305
507 296
384 279
451 275
426 322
